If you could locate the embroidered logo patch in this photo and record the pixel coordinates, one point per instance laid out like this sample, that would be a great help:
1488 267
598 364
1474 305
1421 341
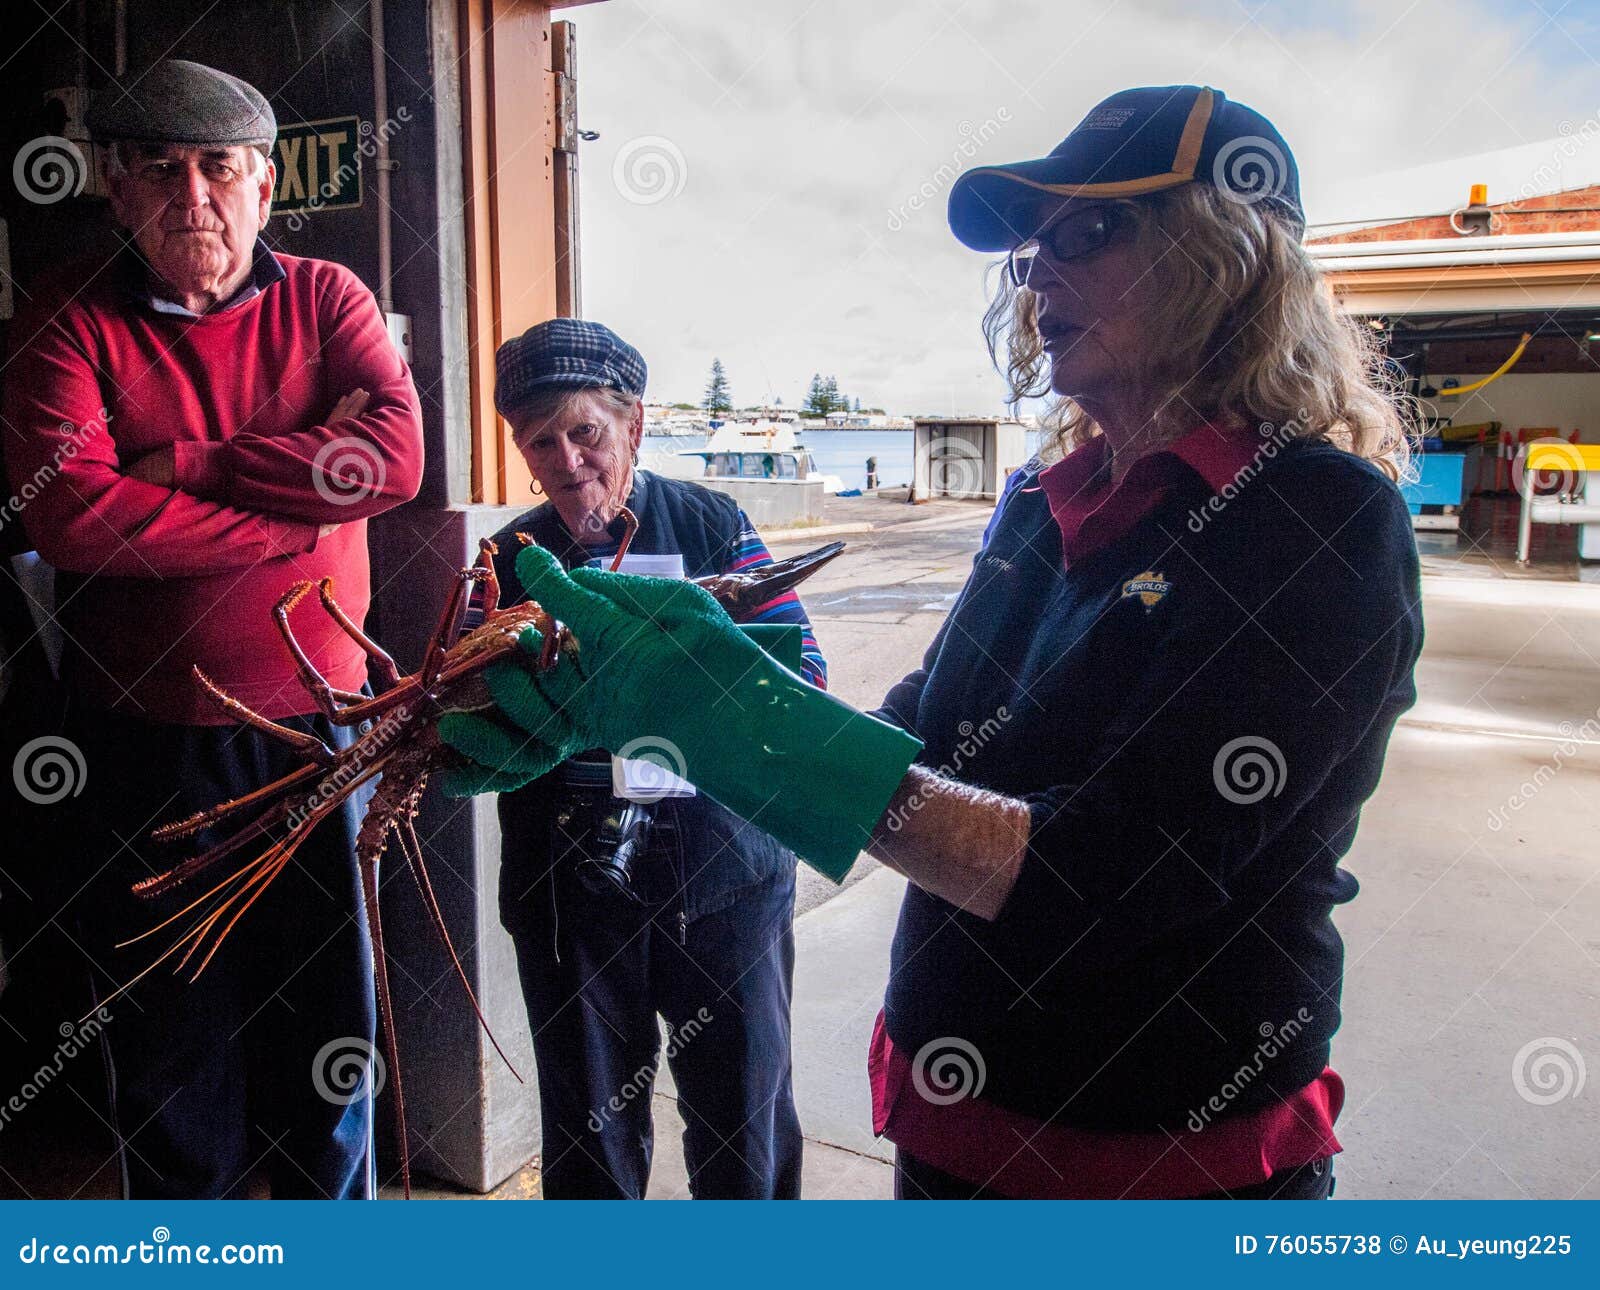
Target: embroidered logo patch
1151 588
1106 119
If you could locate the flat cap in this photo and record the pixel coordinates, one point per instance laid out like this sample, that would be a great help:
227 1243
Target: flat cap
565 352
176 101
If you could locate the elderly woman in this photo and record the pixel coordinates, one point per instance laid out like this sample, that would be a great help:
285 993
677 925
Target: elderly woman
625 903
1147 728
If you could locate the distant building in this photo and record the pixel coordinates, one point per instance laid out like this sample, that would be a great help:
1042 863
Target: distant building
965 457
1493 313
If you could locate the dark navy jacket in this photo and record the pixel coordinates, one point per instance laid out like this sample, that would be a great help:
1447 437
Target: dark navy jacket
702 855
1194 714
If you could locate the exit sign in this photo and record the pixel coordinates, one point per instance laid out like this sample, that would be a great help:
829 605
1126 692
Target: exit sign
319 165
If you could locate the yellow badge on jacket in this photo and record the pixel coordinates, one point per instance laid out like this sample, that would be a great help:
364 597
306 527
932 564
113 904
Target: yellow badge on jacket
1151 588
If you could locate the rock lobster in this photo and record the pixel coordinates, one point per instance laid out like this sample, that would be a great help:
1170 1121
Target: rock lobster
397 754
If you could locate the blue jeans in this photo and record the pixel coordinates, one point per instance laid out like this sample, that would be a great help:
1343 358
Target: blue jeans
596 972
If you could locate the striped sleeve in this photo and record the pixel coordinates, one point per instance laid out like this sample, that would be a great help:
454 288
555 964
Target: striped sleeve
750 552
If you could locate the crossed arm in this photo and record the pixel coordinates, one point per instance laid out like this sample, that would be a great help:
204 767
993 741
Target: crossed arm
197 507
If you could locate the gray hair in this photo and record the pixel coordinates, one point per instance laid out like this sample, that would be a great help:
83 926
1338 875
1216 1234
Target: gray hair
554 400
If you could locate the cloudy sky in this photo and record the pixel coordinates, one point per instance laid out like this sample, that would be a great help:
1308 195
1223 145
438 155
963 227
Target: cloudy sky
759 190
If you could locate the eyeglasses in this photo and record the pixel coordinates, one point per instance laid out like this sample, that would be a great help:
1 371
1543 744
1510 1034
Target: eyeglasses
1077 234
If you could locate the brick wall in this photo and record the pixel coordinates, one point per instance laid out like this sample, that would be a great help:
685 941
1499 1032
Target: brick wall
1576 210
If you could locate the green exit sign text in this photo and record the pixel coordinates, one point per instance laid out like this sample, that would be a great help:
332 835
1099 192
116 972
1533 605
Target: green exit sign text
319 165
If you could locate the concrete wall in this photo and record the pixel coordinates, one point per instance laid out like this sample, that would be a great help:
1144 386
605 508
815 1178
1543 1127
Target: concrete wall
773 503
1566 400
471 1122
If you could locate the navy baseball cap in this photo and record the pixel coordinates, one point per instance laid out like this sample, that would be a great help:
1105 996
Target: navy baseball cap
567 352
1137 141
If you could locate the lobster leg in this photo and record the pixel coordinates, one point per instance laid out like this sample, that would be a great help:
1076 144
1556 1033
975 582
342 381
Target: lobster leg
450 622
487 550
630 526
342 707
411 848
380 658
315 683
306 743
380 972
193 824
161 883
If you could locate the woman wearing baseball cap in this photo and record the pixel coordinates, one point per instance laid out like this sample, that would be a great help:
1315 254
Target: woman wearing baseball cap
1141 742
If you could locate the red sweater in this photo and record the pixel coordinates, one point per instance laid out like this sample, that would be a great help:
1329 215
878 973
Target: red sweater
167 579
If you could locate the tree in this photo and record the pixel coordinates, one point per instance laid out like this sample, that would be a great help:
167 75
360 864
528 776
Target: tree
830 394
816 404
717 399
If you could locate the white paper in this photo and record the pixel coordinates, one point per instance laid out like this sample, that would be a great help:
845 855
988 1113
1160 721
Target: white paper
638 779
652 566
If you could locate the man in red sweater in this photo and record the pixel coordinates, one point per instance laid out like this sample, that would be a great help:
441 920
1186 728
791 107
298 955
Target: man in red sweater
199 425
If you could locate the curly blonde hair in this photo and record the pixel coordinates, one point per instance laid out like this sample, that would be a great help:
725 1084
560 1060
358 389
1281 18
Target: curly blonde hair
1249 335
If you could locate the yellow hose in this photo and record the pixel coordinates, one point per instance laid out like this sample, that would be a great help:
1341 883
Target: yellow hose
1494 375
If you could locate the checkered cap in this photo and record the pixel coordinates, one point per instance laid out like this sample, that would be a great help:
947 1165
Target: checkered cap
569 352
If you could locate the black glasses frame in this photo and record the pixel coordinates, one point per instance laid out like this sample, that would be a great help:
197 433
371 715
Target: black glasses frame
1075 235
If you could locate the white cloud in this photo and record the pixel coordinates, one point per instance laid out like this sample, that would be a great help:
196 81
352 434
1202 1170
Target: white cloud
807 130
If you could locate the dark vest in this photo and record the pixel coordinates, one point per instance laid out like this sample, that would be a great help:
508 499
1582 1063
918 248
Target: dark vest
674 516
702 855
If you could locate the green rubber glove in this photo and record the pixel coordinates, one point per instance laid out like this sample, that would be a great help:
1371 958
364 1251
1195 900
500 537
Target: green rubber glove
662 671
503 757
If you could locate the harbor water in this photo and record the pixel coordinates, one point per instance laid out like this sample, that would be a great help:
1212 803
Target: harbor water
840 452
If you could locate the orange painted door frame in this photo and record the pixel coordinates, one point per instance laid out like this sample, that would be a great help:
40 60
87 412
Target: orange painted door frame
509 125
